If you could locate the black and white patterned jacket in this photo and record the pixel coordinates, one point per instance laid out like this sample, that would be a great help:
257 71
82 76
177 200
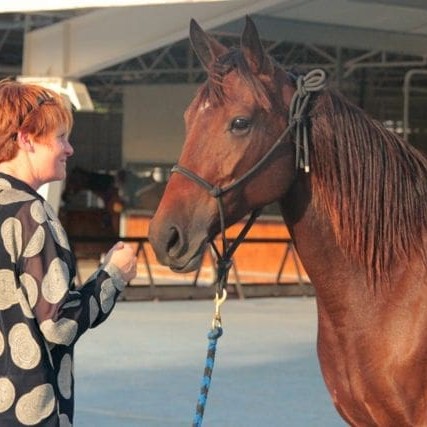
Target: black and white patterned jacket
42 313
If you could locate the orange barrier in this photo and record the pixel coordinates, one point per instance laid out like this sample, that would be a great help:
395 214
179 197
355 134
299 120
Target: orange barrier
266 256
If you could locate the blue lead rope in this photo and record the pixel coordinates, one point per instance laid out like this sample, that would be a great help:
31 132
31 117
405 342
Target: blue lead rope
213 336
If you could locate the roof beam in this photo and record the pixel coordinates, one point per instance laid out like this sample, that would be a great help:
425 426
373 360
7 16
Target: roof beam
32 6
295 31
96 40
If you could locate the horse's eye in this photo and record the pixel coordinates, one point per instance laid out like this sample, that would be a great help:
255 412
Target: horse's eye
240 126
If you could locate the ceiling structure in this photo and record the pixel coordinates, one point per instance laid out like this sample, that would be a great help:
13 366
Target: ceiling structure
367 46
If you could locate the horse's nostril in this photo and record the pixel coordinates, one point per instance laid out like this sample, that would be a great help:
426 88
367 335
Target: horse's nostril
173 238
174 244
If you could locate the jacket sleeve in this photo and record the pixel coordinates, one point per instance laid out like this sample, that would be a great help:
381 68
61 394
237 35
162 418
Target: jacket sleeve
46 270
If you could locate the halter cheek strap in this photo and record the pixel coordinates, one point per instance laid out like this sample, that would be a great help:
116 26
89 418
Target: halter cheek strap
313 81
224 259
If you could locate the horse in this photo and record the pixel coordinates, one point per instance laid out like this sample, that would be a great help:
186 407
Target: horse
139 192
102 185
353 196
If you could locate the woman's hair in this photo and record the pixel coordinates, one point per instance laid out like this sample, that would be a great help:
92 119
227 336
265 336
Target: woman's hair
32 109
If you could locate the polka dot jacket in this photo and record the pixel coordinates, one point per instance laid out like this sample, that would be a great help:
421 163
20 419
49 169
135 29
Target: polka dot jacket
42 313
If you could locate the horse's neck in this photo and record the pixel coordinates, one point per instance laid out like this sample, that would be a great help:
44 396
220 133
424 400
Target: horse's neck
315 242
341 282
359 326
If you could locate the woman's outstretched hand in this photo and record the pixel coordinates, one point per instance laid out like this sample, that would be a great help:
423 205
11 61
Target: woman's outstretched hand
123 257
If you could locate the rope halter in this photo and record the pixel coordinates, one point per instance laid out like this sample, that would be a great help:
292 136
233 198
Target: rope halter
306 85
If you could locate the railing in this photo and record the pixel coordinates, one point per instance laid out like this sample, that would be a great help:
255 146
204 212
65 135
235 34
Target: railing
152 281
140 243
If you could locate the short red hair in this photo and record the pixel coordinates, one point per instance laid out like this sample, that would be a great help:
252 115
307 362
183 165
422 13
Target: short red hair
32 109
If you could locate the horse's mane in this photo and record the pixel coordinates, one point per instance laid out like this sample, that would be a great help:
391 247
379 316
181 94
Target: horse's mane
367 180
371 184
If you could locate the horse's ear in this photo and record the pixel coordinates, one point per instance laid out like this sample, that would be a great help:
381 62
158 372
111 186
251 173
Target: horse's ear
252 48
206 47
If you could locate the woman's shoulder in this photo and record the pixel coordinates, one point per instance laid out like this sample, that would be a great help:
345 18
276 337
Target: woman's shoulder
13 191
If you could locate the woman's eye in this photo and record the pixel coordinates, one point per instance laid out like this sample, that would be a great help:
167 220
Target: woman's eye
62 138
240 126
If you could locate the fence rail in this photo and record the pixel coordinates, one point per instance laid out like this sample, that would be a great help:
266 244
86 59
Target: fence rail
153 282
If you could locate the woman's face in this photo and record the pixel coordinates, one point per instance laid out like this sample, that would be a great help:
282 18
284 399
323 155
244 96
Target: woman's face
52 154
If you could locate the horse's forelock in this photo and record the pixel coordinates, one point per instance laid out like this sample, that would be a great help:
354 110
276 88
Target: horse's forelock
214 88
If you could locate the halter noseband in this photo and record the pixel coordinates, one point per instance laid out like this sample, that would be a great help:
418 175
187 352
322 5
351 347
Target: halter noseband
313 81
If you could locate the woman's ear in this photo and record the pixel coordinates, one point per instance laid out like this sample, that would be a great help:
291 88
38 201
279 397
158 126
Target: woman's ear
25 141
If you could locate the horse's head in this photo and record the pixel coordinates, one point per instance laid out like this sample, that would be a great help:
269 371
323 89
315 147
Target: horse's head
237 116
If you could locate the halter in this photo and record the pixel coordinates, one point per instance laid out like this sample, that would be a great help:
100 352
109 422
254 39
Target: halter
313 81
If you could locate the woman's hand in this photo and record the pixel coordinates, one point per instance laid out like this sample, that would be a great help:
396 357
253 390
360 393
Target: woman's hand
123 257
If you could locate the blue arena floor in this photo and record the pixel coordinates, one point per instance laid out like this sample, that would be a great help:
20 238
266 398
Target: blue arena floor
144 365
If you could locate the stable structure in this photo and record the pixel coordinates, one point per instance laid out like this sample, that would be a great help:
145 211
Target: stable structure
139 69
366 46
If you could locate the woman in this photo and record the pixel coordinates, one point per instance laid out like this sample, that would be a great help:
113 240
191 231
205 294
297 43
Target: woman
42 313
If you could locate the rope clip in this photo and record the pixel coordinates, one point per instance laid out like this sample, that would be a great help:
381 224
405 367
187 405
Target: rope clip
216 322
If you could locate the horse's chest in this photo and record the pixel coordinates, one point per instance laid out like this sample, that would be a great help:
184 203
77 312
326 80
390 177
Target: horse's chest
371 382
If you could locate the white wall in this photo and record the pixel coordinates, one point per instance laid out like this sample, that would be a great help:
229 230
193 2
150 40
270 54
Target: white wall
153 122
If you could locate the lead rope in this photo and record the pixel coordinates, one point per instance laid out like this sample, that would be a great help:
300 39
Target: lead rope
213 336
224 263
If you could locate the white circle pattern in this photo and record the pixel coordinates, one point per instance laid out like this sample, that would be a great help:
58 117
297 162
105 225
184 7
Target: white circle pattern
11 234
36 243
37 212
58 234
107 294
30 285
64 421
8 293
36 405
93 310
24 350
23 302
14 196
55 283
49 210
72 304
5 184
1 343
61 332
7 394
65 376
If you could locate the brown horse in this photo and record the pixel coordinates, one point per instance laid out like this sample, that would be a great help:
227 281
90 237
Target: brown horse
139 192
357 212
103 185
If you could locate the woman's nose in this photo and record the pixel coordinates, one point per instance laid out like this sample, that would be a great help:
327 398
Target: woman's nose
69 150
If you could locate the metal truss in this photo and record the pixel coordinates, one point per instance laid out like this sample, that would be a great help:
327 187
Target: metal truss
371 78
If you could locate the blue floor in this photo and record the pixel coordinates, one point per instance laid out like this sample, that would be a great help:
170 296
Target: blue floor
143 366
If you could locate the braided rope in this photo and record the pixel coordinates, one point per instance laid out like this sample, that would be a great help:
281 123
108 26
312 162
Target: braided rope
213 336
313 81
